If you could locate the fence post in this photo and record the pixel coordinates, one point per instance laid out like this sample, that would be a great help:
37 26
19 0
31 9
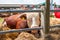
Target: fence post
47 16
45 19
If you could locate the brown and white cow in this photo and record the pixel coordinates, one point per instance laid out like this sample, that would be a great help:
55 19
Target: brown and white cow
19 21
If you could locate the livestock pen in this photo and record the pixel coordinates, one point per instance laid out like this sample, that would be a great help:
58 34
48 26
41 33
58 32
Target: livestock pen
45 19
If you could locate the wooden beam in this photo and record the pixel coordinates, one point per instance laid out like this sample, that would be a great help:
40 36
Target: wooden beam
45 19
47 16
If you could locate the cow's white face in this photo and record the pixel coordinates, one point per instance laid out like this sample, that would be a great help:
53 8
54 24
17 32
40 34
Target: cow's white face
30 15
34 24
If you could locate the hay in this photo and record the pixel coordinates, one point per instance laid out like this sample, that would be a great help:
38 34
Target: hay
26 36
8 36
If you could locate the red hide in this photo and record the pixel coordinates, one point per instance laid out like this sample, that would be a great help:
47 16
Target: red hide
15 22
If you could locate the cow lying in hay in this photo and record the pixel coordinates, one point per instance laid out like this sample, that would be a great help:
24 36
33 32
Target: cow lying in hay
24 20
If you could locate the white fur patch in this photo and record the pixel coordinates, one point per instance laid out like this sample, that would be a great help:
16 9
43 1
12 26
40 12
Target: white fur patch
4 24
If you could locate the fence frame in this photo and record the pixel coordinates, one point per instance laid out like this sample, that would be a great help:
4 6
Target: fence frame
45 14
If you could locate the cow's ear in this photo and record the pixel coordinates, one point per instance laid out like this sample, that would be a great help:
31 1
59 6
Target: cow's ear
23 16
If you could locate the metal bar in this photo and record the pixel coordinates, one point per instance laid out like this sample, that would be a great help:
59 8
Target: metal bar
54 10
42 24
3 11
26 29
55 26
9 7
19 30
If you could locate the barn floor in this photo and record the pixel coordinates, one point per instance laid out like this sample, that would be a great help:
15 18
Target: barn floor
53 35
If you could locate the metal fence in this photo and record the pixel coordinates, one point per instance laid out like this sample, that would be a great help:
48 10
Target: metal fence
44 17
26 29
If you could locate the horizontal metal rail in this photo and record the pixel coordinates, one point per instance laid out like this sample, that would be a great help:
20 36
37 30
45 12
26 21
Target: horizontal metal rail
26 29
58 25
4 11
19 30
54 10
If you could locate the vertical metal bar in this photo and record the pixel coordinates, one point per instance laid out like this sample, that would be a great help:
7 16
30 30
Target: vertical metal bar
42 25
51 5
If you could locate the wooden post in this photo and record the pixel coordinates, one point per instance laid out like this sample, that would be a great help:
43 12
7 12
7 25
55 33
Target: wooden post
47 16
45 19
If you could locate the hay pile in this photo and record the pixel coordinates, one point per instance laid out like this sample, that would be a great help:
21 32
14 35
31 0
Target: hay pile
55 36
8 36
25 36
54 21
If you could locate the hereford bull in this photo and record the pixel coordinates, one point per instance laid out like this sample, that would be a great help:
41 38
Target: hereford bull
13 20
24 20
